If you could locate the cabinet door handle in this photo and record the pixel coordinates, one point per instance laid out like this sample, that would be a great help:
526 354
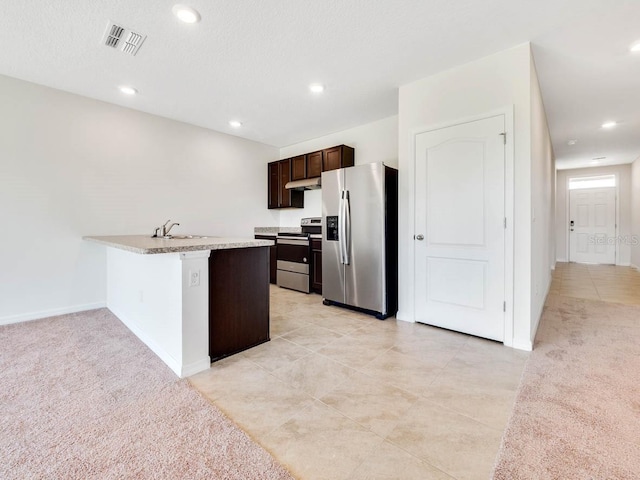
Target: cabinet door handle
419 237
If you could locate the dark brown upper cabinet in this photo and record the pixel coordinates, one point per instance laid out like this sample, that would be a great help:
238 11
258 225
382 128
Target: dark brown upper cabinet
299 167
337 157
314 164
285 177
310 165
279 196
274 185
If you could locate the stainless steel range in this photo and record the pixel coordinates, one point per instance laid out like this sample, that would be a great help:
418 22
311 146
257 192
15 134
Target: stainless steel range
294 255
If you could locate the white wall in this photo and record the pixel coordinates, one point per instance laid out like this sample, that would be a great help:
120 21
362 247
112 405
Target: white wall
373 142
542 203
71 166
635 212
494 82
623 175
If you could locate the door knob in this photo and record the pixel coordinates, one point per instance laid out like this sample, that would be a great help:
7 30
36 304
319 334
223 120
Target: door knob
420 237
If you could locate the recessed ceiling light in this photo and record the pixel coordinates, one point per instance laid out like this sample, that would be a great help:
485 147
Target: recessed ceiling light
235 123
635 48
186 13
127 90
316 88
609 124
572 142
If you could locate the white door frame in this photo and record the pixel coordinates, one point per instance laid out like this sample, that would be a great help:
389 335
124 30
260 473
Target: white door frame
508 210
568 211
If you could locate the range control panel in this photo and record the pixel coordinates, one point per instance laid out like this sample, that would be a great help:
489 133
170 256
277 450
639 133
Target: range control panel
332 228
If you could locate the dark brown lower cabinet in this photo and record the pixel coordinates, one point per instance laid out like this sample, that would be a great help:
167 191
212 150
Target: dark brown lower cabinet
316 259
238 300
273 257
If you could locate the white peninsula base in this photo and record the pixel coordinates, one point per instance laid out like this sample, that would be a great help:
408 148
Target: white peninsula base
164 300
159 288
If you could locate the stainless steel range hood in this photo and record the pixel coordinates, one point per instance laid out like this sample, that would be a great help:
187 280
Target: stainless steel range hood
306 184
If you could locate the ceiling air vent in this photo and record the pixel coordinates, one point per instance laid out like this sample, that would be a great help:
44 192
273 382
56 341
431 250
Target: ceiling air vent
122 38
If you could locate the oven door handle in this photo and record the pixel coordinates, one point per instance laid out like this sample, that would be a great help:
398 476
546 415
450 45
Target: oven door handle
292 241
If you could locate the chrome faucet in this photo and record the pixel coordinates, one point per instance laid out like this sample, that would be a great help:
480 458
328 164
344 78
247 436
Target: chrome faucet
167 229
163 230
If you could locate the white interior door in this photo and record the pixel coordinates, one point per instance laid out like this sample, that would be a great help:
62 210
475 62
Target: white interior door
592 225
460 228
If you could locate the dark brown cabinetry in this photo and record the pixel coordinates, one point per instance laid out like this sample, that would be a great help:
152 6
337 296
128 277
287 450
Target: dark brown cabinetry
238 300
316 265
309 165
337 157
274 184
273 257
299 167
314 164
279 196
284 172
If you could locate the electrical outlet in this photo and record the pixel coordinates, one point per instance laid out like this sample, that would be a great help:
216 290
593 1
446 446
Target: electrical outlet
194 278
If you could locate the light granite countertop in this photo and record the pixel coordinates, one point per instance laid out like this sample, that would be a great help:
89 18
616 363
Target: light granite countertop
275 230
146 245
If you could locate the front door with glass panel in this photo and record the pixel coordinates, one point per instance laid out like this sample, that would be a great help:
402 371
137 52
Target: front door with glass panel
592 225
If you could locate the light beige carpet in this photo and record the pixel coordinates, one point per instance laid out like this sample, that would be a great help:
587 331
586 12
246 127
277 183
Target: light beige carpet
577 414
82 398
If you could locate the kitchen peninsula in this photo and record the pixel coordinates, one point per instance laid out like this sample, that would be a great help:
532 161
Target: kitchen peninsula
190 300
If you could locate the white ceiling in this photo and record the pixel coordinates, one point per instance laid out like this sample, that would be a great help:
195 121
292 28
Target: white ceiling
252 60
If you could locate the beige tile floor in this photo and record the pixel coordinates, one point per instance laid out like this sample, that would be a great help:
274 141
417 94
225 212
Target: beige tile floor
339 395
608 283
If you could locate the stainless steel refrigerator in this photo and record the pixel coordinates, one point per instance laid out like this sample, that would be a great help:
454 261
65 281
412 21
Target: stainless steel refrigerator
360 238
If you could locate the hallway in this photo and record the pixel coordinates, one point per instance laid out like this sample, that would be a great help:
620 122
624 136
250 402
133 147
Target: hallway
609 283
575 414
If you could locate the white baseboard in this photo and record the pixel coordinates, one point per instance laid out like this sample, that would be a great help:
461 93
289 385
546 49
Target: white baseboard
561 260
526 345
624 264
404 318
54 312
536 324
171 362
196 367
177 368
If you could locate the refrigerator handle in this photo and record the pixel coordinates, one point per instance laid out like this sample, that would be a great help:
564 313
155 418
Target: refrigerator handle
341 229
347 229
